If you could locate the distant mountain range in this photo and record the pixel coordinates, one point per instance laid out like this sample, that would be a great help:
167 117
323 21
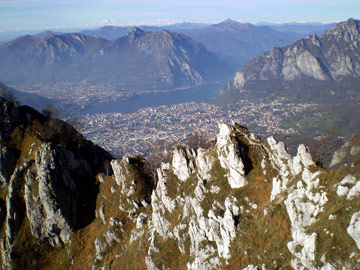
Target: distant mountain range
299 28
230 39
233 41
140 60
111 32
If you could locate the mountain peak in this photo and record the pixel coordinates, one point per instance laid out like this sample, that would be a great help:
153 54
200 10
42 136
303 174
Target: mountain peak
231 25
229 21
134 33
348 30
136 30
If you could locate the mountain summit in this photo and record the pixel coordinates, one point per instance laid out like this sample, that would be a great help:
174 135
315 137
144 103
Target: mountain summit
243 203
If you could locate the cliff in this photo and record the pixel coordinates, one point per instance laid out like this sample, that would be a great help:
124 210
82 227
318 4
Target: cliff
308 68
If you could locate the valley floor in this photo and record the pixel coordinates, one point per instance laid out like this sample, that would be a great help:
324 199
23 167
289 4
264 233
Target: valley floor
135 133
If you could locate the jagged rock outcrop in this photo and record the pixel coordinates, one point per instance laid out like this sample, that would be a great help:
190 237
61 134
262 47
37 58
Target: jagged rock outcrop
243 203
46 182
332 57
198 214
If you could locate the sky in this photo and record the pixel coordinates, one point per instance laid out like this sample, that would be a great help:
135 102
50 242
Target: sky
43 14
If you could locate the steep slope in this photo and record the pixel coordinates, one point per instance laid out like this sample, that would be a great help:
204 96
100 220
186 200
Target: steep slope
140 60
158 60
49 59
239 42
48 185
309 68
241 204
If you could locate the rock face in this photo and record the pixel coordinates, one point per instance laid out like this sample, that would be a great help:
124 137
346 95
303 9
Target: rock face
139 61
47 185
349 151
332 57
243 203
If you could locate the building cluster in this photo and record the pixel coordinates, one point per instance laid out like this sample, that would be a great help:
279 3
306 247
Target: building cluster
136 133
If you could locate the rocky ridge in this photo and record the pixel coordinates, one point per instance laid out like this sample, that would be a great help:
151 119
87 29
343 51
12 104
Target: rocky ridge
332 57
242 203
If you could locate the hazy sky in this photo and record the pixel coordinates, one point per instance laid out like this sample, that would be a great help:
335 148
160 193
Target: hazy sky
30 14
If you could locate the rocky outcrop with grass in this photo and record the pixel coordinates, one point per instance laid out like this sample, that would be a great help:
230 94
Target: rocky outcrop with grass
242 203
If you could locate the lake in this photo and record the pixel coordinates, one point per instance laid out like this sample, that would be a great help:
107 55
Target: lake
200 93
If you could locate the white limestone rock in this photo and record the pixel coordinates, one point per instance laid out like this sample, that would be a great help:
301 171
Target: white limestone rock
215 189
251 267
354 191
281 160
342 191
46 210
102 213
227 150
182 164
276 188
204 164
200 190
100 248
121 172
302 159
348 187
354 228
141 220
349 179
303 204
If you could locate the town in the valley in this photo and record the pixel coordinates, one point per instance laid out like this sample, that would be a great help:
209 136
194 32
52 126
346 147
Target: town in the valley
136 133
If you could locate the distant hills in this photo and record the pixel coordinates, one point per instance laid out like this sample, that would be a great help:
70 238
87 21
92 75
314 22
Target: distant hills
140 60
299 28
239 42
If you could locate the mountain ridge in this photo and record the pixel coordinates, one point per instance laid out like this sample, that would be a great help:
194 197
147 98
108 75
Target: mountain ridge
129 62
329 58
242 203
